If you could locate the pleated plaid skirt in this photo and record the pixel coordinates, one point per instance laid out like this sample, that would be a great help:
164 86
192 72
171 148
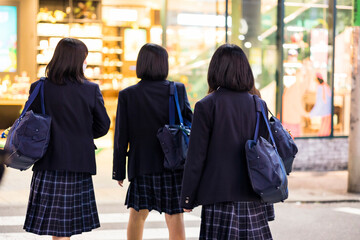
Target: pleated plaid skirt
61 204
160 192
236 220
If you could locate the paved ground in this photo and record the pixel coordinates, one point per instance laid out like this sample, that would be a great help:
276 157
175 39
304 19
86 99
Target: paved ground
305 215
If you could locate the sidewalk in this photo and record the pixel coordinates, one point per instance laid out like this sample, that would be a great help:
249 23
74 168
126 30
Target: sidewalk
306 187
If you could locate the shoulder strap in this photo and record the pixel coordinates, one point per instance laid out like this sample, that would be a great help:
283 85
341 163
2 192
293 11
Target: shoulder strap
178 106
174 98
259 106
258 110
171 104
39 88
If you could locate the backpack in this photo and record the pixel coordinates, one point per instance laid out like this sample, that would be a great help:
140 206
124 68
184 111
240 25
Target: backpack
29 136
265 167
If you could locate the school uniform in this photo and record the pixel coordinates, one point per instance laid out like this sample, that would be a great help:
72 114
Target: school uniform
215 173
62 201
142 109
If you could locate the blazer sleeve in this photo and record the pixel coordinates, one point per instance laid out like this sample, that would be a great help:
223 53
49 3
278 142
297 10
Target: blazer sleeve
101 120
197 154
121 139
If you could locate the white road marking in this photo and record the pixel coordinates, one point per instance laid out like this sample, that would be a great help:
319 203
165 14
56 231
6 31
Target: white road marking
149 233
348 210
104 218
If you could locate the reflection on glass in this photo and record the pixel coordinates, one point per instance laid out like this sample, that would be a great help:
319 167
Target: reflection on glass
306 107
253 28
342 71
194 30
322 107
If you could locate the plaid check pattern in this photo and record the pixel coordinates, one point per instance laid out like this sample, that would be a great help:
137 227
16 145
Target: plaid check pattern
160 192
234 220
61 204
270 212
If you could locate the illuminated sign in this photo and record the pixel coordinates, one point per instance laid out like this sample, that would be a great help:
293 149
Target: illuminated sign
8 39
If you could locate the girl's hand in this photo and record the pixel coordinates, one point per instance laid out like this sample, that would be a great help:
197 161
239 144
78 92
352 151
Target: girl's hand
187 210
120 183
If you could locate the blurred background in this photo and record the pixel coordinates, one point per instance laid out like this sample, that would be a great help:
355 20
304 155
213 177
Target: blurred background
289 43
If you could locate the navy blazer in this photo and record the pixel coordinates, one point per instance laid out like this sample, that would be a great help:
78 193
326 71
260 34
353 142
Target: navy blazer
215 169
78 116
142 109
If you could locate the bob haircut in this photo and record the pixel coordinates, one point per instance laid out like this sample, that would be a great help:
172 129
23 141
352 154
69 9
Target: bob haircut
152 63
67 62
229 68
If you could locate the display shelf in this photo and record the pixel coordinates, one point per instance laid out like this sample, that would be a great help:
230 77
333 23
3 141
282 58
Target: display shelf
75 24
112 39
112 56
86 21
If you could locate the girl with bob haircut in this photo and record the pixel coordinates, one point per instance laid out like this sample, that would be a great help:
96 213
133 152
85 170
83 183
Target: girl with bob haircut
142 109
215 173
62 201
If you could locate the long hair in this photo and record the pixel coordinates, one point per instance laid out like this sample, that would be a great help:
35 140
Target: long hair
67 62
229 68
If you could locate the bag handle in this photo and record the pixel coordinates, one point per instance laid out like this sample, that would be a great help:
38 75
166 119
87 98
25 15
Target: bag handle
259 101
173 98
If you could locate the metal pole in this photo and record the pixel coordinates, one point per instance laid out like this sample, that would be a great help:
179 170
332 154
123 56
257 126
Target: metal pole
236 15
226 20
354 135
163 20
332 33
280 57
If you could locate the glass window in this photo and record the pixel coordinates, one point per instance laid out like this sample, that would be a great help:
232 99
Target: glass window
342 71
307 94
195 28
253 26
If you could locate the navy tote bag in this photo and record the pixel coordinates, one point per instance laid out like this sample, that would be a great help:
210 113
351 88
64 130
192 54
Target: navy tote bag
29 136
174 138
265 166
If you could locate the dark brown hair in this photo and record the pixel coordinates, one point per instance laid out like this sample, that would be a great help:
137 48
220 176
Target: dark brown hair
229 68
67 62
255 91
152 63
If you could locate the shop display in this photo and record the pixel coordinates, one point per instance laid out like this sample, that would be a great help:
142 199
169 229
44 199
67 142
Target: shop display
16 88
56 21
45 15
8 39
85 10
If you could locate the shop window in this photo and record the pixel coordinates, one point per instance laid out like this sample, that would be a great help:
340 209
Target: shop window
194 30
307 94
343 65
253 26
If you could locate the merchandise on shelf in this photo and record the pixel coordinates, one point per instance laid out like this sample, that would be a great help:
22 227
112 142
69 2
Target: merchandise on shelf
16 89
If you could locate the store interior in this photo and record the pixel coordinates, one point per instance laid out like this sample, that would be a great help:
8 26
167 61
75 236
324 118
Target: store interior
114 31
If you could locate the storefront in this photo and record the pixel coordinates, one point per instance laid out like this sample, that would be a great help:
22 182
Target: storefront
299 51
